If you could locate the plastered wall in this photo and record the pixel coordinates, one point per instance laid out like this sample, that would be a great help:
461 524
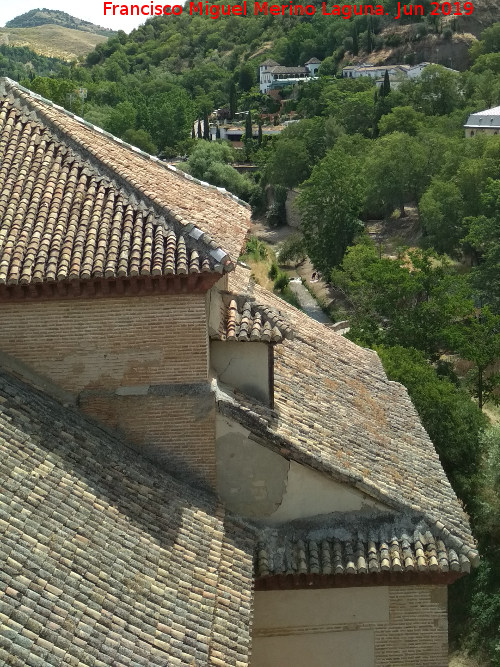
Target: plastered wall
256 482
242 366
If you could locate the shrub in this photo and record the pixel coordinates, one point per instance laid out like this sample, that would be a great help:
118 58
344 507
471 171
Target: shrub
256 249
281 282
273 271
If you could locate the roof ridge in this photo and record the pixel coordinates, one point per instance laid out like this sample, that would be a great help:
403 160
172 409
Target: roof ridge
225 263
109 135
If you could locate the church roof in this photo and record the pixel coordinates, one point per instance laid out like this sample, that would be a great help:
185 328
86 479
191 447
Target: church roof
336 411
61 176
107 560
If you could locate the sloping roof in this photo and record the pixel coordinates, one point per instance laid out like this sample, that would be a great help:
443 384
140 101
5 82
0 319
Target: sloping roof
242 320
486 118
212 217
313 61
336 411
269 63
105 559
281 69
343 547
60 220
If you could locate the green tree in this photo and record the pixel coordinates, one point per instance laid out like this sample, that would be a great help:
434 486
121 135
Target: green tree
246 77
489 42
484 239
211 162
122 118
386 86
289 163
477 339
206 127
437 91
409 301
330 204
401 119
233 100
141 139
395 173
441 215
248 140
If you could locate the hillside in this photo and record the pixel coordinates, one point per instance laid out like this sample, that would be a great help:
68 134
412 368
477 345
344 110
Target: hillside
53 41
38 17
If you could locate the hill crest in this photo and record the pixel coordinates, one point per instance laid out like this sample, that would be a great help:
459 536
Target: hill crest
38 17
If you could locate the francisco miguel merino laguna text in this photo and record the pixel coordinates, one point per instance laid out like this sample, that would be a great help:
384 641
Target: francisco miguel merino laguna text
215 11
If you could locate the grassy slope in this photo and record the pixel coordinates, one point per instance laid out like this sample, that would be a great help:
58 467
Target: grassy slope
52 40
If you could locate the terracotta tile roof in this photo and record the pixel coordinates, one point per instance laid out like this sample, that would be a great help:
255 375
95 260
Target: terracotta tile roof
336 411
372 546
244 320
105 559
61 221
212 217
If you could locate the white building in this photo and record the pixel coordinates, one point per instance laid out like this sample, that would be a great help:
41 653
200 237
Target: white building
273 75
378 71
483 122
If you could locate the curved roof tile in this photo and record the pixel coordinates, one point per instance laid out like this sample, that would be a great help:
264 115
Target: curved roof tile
215 218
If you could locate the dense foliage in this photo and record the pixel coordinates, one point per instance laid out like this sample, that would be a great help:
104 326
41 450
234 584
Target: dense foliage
19 62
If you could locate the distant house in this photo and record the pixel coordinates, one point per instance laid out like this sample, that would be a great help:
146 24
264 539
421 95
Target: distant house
397 73
483 122
373 71
272 75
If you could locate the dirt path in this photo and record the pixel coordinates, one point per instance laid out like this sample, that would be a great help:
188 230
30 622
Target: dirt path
275 237
307 302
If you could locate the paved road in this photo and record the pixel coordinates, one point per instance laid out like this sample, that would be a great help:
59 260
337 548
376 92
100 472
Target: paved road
307 302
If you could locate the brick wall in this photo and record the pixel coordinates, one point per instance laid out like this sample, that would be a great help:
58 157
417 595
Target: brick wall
395 626
105 343
417 632
177 431
139 364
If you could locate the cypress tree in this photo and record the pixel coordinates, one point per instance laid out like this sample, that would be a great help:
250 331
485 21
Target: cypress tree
355 42
386 87
193 133
370 34
260 134
248 126
200 135
233 102
206 126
